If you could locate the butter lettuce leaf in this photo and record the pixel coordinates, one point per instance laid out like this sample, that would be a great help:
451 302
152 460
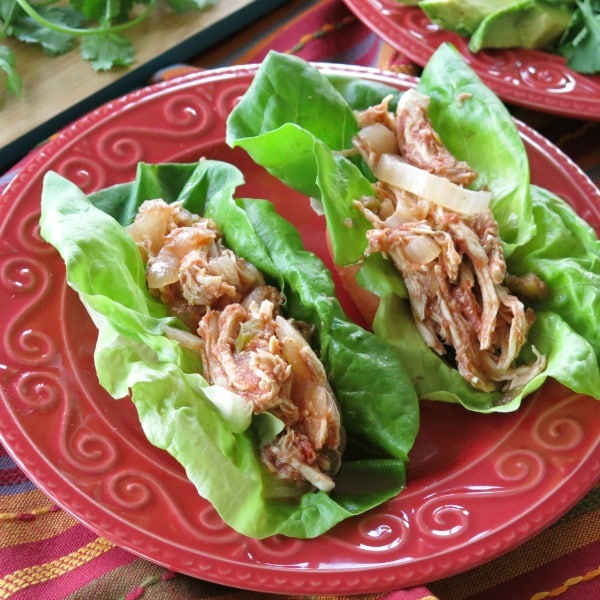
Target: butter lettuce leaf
540 233
201 426
467 115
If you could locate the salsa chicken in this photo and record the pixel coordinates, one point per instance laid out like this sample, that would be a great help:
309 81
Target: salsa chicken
246 344
444 240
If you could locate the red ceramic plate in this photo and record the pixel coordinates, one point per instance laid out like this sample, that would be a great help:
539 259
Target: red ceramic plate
478 485
529 78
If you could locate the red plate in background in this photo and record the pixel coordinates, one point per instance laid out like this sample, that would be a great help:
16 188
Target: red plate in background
530 78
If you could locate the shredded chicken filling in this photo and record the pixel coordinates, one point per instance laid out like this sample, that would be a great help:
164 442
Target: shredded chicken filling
246 346
452 263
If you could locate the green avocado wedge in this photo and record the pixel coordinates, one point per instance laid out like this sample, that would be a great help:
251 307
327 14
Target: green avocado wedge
502 23
461 16
525 24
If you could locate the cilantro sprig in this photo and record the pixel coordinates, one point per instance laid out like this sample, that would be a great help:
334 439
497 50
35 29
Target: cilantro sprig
97 27
580 43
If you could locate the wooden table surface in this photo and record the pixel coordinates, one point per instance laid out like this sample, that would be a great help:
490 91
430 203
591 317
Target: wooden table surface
58 89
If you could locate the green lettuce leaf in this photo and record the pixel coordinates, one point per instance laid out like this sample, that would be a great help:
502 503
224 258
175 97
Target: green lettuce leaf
476 127
467 115
206 429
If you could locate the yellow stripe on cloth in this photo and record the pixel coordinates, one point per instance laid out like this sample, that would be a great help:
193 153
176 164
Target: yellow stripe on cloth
24 578
23 501
567 585
46 519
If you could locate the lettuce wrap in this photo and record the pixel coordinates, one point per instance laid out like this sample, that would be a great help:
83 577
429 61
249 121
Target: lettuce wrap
201 426
299 132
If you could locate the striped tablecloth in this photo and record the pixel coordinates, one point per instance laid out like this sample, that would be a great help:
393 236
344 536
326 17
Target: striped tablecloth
46 554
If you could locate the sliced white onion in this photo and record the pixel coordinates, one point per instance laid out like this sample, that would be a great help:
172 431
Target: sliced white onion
184 338
392 169
317 206
422 250
402 214
162 270
378 138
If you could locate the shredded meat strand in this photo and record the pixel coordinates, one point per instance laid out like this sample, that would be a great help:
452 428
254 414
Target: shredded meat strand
461 297
246 345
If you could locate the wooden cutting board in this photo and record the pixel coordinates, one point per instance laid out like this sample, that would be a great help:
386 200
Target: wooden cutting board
56 90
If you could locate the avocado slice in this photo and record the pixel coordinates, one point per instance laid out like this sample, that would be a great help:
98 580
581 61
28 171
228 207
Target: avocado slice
461 16
525 24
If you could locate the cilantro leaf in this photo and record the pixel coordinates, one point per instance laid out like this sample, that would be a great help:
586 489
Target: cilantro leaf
27 29
107 50
8 67
7 9
580 43
57 25
92 10
101 11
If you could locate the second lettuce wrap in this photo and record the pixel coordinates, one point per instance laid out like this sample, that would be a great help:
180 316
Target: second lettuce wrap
300 132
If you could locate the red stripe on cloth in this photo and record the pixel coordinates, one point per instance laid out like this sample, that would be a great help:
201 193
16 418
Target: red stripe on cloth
73 581
11 475
549 580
